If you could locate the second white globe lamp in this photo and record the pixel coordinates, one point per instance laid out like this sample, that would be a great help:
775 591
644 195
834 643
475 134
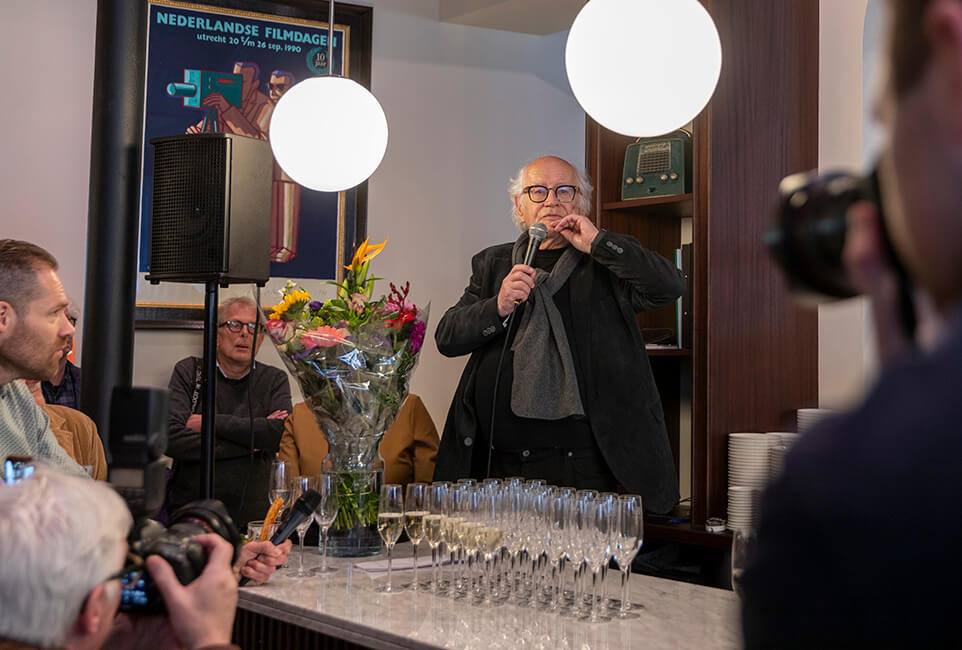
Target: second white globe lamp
643 67
328 133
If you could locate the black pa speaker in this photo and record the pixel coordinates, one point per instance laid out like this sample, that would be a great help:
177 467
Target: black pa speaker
211 209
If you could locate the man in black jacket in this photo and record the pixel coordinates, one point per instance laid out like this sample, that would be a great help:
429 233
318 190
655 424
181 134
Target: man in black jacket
573 401
252 404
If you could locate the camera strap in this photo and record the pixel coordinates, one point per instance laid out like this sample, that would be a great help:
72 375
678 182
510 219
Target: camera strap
197 379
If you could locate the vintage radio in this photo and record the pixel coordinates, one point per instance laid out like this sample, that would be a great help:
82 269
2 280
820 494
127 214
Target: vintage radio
658 166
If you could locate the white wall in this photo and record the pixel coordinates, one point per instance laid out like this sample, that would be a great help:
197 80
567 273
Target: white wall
47 77
844 360
466 107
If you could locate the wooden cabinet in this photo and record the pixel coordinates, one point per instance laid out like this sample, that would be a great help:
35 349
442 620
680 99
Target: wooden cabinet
753 358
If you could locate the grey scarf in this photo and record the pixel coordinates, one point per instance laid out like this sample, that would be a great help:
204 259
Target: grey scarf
545 385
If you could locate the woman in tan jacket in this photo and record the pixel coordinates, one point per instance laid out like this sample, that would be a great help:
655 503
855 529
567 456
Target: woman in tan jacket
408 447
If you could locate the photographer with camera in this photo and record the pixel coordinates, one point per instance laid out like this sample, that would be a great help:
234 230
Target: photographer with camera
859 536
62 556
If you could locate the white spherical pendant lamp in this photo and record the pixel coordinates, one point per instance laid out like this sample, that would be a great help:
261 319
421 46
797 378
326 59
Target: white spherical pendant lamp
328 133
643 67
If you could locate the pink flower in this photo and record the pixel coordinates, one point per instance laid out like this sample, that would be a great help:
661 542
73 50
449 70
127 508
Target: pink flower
279 331
358 302
323 337
404 306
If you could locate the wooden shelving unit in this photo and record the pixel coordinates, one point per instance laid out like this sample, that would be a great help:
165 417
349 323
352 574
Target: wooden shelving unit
675 206
753 356
669 352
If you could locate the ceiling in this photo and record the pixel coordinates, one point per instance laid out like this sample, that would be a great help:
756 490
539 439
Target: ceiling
526 16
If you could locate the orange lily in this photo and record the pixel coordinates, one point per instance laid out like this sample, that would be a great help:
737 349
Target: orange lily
366 253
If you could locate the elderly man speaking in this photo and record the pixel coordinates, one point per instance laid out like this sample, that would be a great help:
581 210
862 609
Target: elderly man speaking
576 402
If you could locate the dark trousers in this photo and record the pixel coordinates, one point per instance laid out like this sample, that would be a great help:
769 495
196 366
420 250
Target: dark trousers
578 468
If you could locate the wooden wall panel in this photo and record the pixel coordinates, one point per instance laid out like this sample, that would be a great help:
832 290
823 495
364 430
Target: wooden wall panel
761 348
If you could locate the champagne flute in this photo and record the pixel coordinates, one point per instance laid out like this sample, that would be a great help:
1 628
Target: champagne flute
279 483
415 510
389 523
434 526
324 515
452 534
629 536
598 550
301 485
743 541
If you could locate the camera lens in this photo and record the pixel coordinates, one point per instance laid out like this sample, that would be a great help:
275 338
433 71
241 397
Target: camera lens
808 236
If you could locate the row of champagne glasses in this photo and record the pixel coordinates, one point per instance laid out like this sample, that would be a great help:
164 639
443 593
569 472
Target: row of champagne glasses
282 485
523 532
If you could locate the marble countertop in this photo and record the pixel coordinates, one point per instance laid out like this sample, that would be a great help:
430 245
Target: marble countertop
345 605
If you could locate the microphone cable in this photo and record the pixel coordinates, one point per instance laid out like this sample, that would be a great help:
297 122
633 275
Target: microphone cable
536 234
497 379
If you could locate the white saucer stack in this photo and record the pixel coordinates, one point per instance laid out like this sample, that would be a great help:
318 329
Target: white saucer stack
748 459
748 472
742 507
781 442
806 418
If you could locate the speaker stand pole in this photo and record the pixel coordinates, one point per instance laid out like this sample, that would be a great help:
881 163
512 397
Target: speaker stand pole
210 392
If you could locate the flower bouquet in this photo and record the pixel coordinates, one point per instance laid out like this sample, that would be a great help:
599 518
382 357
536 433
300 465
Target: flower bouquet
352 356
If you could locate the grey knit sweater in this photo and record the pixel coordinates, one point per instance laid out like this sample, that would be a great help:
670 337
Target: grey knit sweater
25 430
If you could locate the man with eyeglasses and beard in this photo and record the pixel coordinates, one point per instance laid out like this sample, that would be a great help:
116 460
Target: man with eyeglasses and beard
34 330
576 403
252 403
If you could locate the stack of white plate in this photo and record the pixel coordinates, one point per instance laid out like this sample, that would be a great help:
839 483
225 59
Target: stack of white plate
776 459
808 417
742 507
786 438
749 471
748 459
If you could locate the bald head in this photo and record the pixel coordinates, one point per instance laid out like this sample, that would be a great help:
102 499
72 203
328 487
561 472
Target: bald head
541 168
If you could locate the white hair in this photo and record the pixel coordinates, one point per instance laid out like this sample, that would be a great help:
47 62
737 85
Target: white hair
582 199
247 301
60 536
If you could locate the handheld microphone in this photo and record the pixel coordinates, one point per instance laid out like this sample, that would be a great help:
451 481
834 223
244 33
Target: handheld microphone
536 234
303 508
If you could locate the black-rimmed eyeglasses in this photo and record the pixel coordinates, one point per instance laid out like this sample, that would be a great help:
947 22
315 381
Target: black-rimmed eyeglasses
235 326
539 193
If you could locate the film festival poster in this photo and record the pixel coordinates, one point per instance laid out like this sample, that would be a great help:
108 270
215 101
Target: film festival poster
214 69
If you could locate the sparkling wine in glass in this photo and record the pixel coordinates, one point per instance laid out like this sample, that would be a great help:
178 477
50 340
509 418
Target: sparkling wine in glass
324 515
415 510
390 522
279 483
434 525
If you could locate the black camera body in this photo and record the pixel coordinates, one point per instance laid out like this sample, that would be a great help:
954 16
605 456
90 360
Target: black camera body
807 238
176 544
137 440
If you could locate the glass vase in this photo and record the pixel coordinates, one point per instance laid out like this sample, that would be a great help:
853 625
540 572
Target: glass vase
357 468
